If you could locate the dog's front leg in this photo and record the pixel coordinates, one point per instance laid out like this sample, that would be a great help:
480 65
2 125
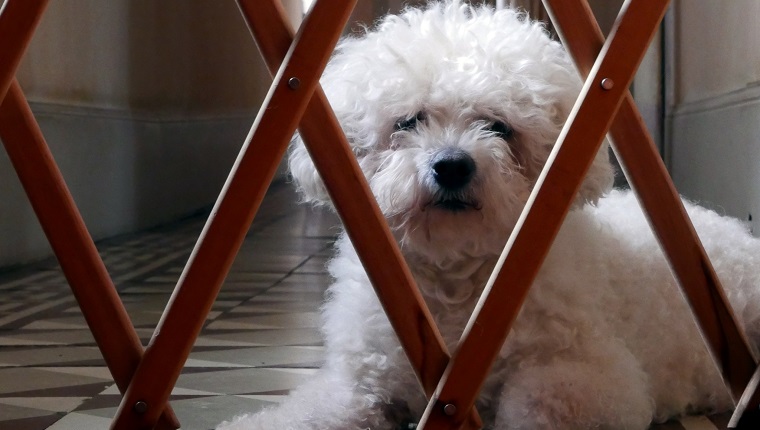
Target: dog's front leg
570 395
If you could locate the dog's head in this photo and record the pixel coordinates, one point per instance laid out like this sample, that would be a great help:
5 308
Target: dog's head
452 112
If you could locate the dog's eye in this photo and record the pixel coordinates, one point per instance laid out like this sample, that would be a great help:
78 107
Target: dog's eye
501 129
408 124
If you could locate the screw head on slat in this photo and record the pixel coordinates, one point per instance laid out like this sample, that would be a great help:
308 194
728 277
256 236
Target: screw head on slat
607 84
294 83
141 407
449 409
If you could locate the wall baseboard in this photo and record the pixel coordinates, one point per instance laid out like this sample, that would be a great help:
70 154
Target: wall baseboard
715 153
746 95
126 171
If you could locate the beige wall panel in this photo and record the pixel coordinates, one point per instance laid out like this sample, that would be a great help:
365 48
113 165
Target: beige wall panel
718 48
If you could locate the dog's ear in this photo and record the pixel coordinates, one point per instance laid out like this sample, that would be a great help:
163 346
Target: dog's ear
601 174
599 178
305 176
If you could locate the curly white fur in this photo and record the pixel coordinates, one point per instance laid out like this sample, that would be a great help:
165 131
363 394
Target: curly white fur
605 339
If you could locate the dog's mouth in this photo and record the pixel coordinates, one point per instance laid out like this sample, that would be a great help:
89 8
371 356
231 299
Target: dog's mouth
452 204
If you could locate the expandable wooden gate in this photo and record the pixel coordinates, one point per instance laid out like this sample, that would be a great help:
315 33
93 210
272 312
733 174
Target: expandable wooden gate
452 382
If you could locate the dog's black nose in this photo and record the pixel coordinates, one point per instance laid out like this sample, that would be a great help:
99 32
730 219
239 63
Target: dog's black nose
452 168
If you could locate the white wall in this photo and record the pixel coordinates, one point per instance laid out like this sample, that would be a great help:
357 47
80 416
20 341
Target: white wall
715 115
144 104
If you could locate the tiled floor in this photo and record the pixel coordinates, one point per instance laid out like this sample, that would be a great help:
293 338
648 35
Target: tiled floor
260 340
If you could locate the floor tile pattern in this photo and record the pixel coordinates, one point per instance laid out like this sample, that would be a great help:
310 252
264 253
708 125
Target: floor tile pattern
259 341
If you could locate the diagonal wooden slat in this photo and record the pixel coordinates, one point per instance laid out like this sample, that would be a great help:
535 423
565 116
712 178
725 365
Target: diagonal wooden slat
55 208
71 242
547 206
746 416
356 206
18 21
232 215
648 176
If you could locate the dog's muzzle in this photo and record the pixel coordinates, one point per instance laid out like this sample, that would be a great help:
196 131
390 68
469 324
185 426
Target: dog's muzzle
452 170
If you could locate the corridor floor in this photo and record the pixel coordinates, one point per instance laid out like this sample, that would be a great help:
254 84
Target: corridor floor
260 340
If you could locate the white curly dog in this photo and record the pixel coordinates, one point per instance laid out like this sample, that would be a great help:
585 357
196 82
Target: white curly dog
452 111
